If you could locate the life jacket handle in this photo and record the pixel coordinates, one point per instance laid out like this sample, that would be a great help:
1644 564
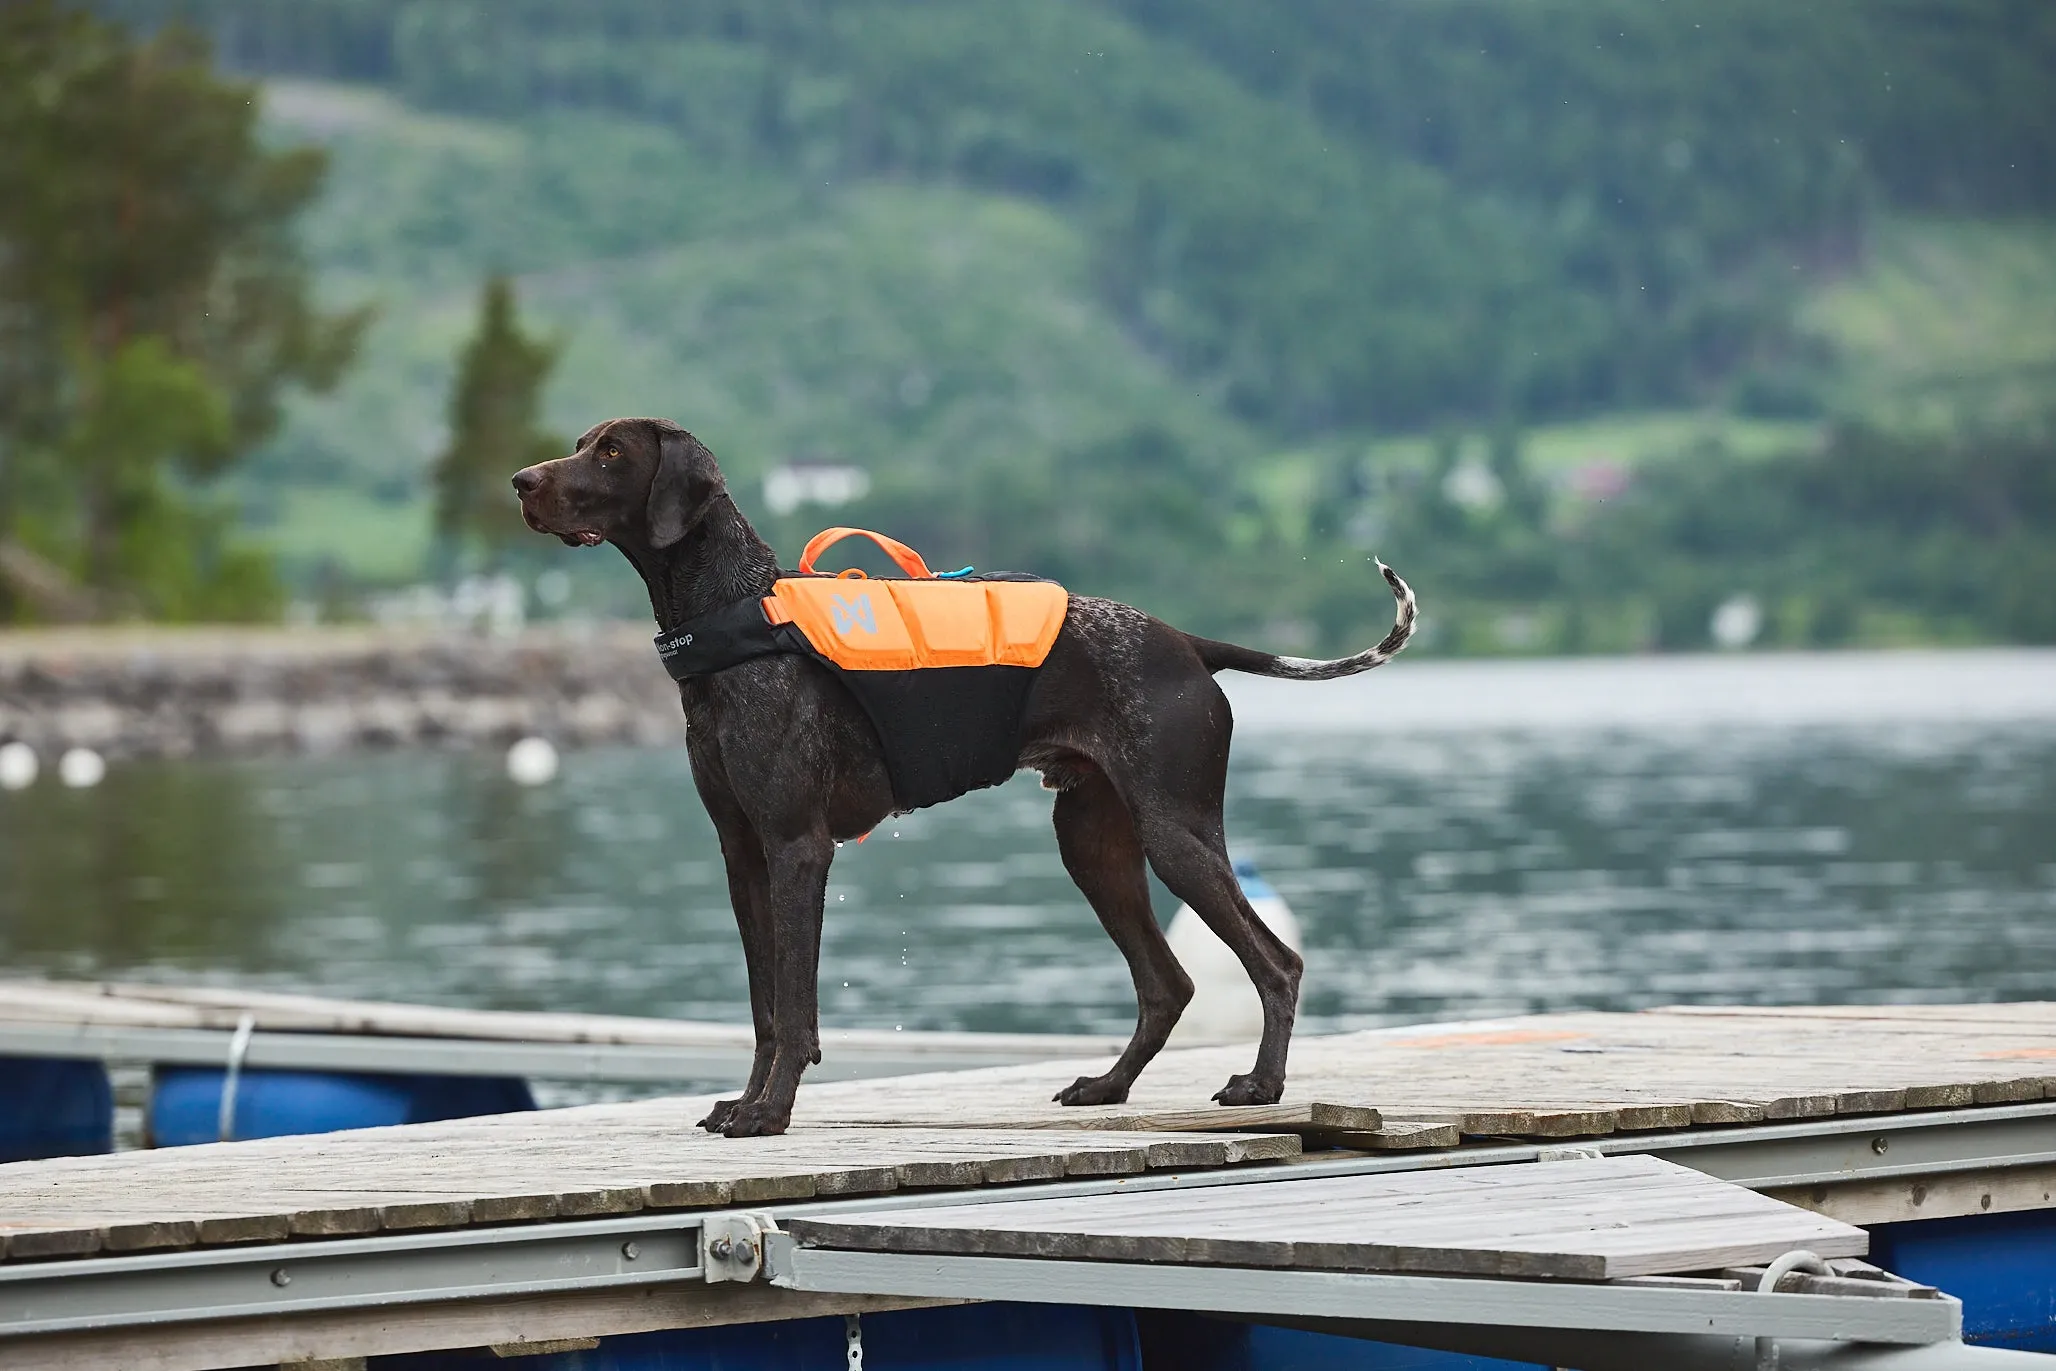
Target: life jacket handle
909 560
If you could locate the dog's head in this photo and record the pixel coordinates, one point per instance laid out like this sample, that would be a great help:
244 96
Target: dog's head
639 482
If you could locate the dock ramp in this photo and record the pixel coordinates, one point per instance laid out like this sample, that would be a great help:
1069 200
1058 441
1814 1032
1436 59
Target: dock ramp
1623 1244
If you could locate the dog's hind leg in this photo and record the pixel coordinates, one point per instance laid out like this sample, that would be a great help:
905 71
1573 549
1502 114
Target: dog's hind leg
1175 780
1190 856
749 892
1096 836
798 869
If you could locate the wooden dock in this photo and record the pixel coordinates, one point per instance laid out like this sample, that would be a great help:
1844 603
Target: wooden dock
1561 1075
1705 1141
1553 1076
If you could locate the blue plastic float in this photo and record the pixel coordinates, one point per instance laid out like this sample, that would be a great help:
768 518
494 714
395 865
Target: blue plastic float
54 1107
185 1101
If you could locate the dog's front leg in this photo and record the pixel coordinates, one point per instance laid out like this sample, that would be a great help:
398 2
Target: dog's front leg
798 883
749 891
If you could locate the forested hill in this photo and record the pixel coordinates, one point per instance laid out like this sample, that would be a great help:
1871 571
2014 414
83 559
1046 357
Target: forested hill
1119 289
1337 211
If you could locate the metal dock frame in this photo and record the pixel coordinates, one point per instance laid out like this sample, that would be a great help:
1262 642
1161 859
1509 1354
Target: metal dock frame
220 1288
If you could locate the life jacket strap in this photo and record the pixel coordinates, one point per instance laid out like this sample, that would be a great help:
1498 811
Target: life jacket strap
903 556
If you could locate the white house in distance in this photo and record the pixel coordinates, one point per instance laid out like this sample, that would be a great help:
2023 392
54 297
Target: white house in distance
794 484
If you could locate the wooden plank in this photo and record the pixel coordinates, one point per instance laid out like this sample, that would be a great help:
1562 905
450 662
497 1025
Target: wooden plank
1398 1135
525 1167
880 1107
236 1228
325 1222
1870 1101
1941 1095
141 1237
2007 1090
1582 1220
1680 1282
30 1242
1645 1118
1252 1118
513 1208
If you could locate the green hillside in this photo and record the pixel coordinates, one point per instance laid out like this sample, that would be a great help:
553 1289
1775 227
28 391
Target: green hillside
950 331
1944 319
1123 289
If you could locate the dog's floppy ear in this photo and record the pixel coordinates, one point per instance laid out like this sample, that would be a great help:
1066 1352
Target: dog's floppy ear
686 479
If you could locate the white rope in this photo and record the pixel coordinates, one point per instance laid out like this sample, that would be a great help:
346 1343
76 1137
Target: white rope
1767 1348
238 1048
1786 1265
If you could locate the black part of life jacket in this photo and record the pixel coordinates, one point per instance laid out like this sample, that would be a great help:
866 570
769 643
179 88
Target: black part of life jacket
944 730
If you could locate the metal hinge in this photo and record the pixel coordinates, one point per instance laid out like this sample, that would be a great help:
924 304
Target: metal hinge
732 1245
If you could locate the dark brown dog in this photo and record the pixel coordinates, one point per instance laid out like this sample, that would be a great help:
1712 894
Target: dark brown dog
1125 724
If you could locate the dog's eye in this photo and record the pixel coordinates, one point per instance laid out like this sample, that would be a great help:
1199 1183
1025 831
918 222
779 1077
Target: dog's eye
613 452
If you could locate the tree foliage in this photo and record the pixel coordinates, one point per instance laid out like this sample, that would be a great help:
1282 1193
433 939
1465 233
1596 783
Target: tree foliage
1868 537
1874 535
154 300
1339 211
495 426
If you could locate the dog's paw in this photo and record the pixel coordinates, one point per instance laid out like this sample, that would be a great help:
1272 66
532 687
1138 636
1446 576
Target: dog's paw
717 1117
756 1121
1093 1090
1249 1090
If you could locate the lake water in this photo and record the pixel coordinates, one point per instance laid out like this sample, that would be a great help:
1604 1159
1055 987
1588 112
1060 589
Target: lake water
1458 839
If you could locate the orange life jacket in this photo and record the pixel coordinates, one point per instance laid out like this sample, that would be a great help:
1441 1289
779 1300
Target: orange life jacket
944 666
889 624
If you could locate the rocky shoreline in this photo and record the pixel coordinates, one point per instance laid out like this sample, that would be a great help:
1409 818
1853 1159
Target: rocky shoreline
230 692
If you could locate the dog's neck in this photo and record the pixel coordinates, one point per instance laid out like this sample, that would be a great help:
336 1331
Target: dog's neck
719 560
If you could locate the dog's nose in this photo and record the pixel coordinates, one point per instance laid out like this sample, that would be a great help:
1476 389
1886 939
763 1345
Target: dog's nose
527 479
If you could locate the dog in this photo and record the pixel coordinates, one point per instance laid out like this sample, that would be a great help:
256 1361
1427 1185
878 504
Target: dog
1125 723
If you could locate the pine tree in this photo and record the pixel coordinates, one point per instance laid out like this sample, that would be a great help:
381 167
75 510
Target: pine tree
494 426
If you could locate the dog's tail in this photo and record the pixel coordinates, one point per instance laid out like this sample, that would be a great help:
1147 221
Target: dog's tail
1229 657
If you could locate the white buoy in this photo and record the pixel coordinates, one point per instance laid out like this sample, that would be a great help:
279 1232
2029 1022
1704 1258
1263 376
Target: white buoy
81 768
1224 1006
1736 623
18 766
532 761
